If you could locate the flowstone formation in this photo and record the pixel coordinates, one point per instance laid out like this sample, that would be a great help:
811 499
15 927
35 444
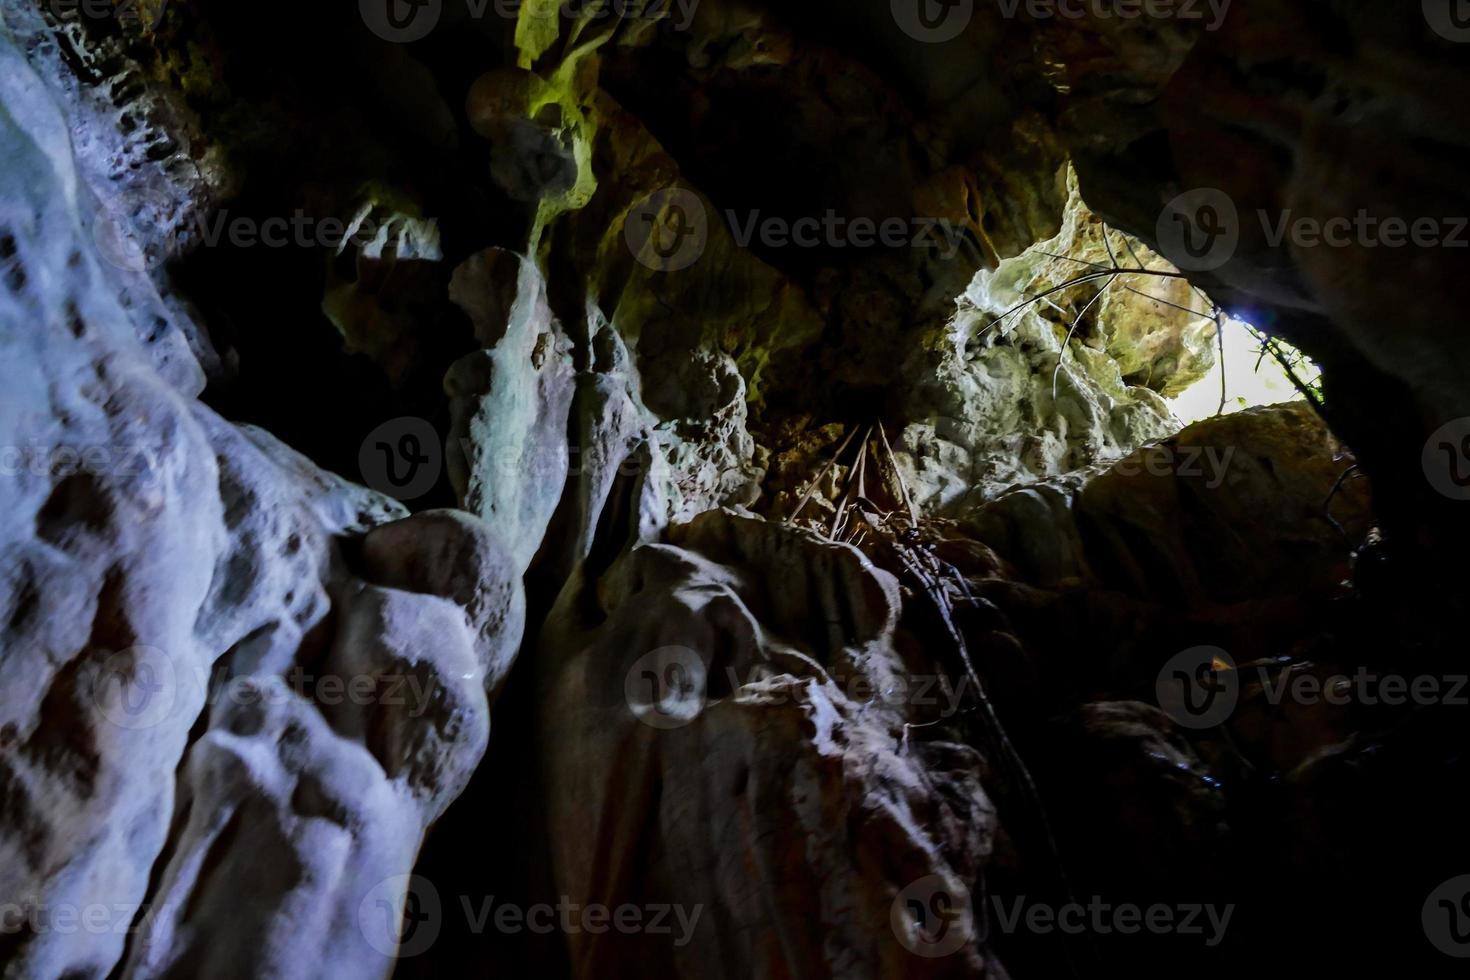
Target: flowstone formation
182 620
690 489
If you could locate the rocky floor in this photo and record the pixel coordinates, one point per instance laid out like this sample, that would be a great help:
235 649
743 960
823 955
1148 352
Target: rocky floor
688 489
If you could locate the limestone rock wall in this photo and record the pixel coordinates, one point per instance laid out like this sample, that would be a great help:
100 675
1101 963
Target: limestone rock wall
235 690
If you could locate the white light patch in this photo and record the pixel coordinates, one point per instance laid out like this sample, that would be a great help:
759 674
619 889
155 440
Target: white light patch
1246 384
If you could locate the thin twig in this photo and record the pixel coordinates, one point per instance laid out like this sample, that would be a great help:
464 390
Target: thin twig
862 464
1220 339
1128 242
903 488
1327 506
1078 281
913 561
1072 258
1160 299
838 521
1062 356
812 489
1269 345
1109 246
1090 277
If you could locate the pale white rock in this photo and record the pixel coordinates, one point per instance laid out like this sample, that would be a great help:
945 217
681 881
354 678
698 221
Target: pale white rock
175 591
510 402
